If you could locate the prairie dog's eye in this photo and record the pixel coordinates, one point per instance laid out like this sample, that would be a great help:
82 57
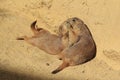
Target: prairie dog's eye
73 20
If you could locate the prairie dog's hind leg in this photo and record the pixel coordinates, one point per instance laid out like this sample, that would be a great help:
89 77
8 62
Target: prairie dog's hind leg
22 38
61 67
30 40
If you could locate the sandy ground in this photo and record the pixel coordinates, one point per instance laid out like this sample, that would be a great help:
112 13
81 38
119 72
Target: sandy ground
21 61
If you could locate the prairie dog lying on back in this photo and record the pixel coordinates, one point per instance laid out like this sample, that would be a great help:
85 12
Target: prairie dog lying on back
74 45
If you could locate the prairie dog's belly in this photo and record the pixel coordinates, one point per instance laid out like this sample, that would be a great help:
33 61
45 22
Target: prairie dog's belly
72 38
49 44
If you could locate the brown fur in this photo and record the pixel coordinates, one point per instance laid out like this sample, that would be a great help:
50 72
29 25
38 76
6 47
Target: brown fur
44 40
74 44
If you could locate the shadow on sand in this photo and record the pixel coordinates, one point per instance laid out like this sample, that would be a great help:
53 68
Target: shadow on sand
8 75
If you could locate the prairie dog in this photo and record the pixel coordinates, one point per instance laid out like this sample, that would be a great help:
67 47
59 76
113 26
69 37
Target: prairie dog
74 44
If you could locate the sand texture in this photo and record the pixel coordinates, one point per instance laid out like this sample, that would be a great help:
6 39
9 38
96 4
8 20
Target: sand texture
21 61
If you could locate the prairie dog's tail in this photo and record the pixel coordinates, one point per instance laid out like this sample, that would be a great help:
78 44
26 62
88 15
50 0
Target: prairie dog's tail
20 39
61 67
34 27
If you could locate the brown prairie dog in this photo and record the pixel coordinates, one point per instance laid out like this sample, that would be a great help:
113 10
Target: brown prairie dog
74 44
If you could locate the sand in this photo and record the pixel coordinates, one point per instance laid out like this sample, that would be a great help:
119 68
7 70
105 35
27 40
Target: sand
21 61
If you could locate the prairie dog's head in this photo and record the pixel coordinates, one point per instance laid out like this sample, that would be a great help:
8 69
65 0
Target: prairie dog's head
70 30
71 25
